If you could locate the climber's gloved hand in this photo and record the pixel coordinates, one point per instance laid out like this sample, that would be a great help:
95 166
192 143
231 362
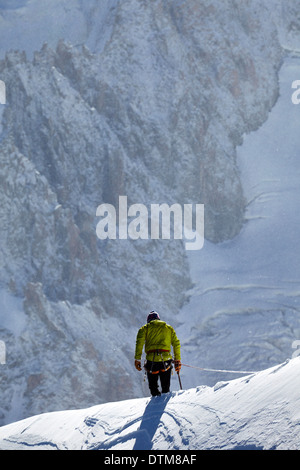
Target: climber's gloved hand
177 365
138 365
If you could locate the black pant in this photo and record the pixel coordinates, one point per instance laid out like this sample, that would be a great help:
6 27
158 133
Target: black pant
161 370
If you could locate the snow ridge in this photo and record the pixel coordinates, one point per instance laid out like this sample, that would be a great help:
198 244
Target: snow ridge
258 411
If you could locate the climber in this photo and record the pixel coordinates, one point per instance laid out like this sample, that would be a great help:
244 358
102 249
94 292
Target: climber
157 337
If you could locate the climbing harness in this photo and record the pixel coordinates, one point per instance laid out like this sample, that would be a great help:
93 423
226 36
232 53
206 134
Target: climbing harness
159 353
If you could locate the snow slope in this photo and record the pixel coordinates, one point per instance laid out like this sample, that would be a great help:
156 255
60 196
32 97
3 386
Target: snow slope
258 411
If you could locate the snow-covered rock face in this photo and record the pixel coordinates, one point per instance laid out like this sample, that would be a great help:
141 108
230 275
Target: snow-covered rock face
176 93
154 112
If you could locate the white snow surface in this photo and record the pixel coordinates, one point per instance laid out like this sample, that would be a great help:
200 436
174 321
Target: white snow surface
255 412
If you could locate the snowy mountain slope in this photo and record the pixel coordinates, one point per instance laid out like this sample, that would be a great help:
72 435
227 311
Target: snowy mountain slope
258 411
244 307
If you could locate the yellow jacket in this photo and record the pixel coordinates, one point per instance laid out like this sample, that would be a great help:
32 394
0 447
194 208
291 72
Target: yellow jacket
157 337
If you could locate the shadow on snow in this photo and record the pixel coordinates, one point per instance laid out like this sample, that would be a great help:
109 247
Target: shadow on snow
143 436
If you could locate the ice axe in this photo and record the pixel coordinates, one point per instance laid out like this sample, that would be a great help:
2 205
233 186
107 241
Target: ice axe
179 379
